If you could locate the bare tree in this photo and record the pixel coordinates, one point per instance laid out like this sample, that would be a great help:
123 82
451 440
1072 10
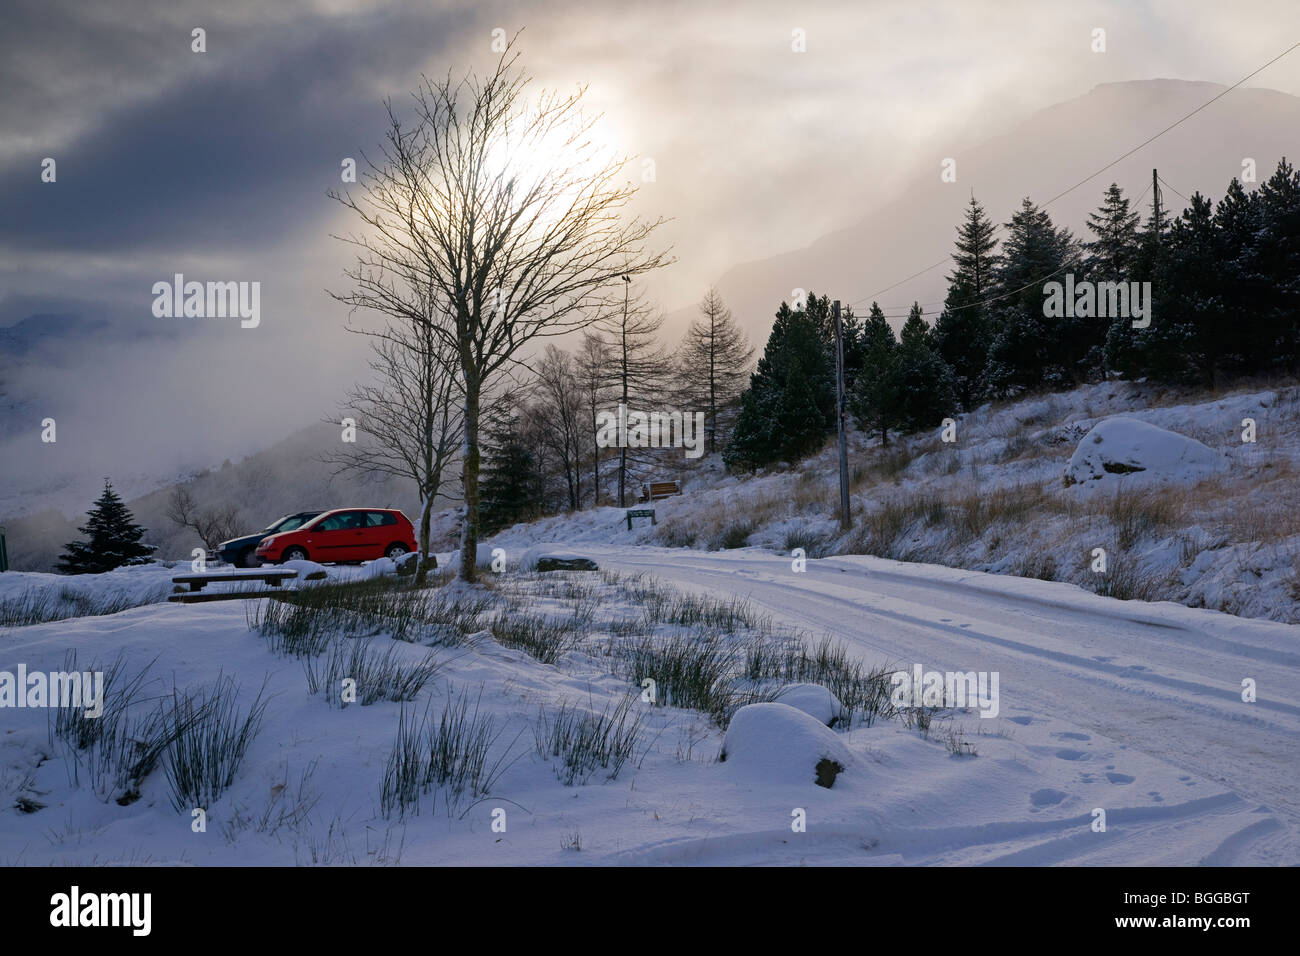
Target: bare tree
714 361
630 330
593 366
213 525
560 418
506 210
410 415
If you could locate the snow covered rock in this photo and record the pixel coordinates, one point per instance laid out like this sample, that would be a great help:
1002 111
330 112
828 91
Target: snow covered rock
307 570
483 558
814 700
381 568
548 558
778 743
1122 446
408 564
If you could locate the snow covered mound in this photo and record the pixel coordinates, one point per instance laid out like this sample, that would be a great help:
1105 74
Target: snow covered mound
814 700
482 559
779 744
550 558
307 570
1121 446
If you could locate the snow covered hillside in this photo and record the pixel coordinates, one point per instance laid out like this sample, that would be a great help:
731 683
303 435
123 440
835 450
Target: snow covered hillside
1219 530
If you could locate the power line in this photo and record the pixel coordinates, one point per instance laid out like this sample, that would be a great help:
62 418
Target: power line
1176 192
1064 192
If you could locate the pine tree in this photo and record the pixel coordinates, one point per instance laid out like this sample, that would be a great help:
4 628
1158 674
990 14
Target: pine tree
873 399
113 538
512 488
714 358
1188 341
1113 254
789 407
922 380
1027 349
961 334
1237 224
1277 262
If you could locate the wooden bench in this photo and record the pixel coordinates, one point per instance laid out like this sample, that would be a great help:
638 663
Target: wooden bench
640 513
197 581
654 490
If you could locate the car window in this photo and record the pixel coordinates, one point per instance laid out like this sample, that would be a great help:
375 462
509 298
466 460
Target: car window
289 524
334 522
377 518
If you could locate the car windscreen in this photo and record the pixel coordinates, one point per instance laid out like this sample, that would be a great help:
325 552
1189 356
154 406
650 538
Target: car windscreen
290 523
295 522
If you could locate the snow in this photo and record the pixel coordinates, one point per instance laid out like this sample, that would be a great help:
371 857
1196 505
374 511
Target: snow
777 744
814 700
1131 707
1120 447
307 570
1137 708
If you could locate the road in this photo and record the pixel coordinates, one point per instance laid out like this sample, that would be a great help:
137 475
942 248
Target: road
1159 679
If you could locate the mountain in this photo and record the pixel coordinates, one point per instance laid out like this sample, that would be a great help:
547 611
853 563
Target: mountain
1040 157
286 477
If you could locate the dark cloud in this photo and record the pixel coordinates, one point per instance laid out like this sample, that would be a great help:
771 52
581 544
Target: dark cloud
239 146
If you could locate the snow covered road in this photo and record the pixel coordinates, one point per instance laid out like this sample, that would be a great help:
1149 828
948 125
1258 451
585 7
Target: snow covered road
1096 679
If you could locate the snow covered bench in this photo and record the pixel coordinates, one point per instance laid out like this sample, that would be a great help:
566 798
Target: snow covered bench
197 581
654 490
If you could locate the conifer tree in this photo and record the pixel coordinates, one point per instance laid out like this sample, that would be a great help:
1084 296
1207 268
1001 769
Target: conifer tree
789 407
113 538
1028 350
961 334
513 489
922 380
714 359
873 399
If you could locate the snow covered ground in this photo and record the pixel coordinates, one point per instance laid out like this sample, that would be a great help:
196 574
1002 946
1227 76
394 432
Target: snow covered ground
1126 707
1220 531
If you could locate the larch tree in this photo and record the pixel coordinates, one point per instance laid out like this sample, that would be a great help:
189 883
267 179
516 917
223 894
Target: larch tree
506 209
714 362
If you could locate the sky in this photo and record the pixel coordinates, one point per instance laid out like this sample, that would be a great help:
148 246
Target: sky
768 126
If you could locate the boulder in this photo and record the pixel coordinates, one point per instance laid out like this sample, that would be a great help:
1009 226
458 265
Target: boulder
1126 446
814 700
554 563
777 743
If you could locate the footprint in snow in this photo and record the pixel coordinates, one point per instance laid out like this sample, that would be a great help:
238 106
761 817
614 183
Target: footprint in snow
1119 778
1069 735
1022 721
1072 755
1047 797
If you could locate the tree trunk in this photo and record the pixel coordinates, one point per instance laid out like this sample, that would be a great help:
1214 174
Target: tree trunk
469 481
421 570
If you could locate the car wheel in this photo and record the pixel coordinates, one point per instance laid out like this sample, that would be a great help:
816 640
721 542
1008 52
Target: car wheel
294 554
249 558
395 551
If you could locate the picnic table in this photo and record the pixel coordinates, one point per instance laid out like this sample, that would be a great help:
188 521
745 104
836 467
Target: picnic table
197 582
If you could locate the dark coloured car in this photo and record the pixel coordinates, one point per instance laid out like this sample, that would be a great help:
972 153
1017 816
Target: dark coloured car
344 534
242 552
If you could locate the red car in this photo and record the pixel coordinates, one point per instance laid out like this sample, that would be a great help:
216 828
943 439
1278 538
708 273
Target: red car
344 534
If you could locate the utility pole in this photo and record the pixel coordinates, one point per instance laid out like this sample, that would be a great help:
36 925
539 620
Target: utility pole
1155 203
846 520
622 452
